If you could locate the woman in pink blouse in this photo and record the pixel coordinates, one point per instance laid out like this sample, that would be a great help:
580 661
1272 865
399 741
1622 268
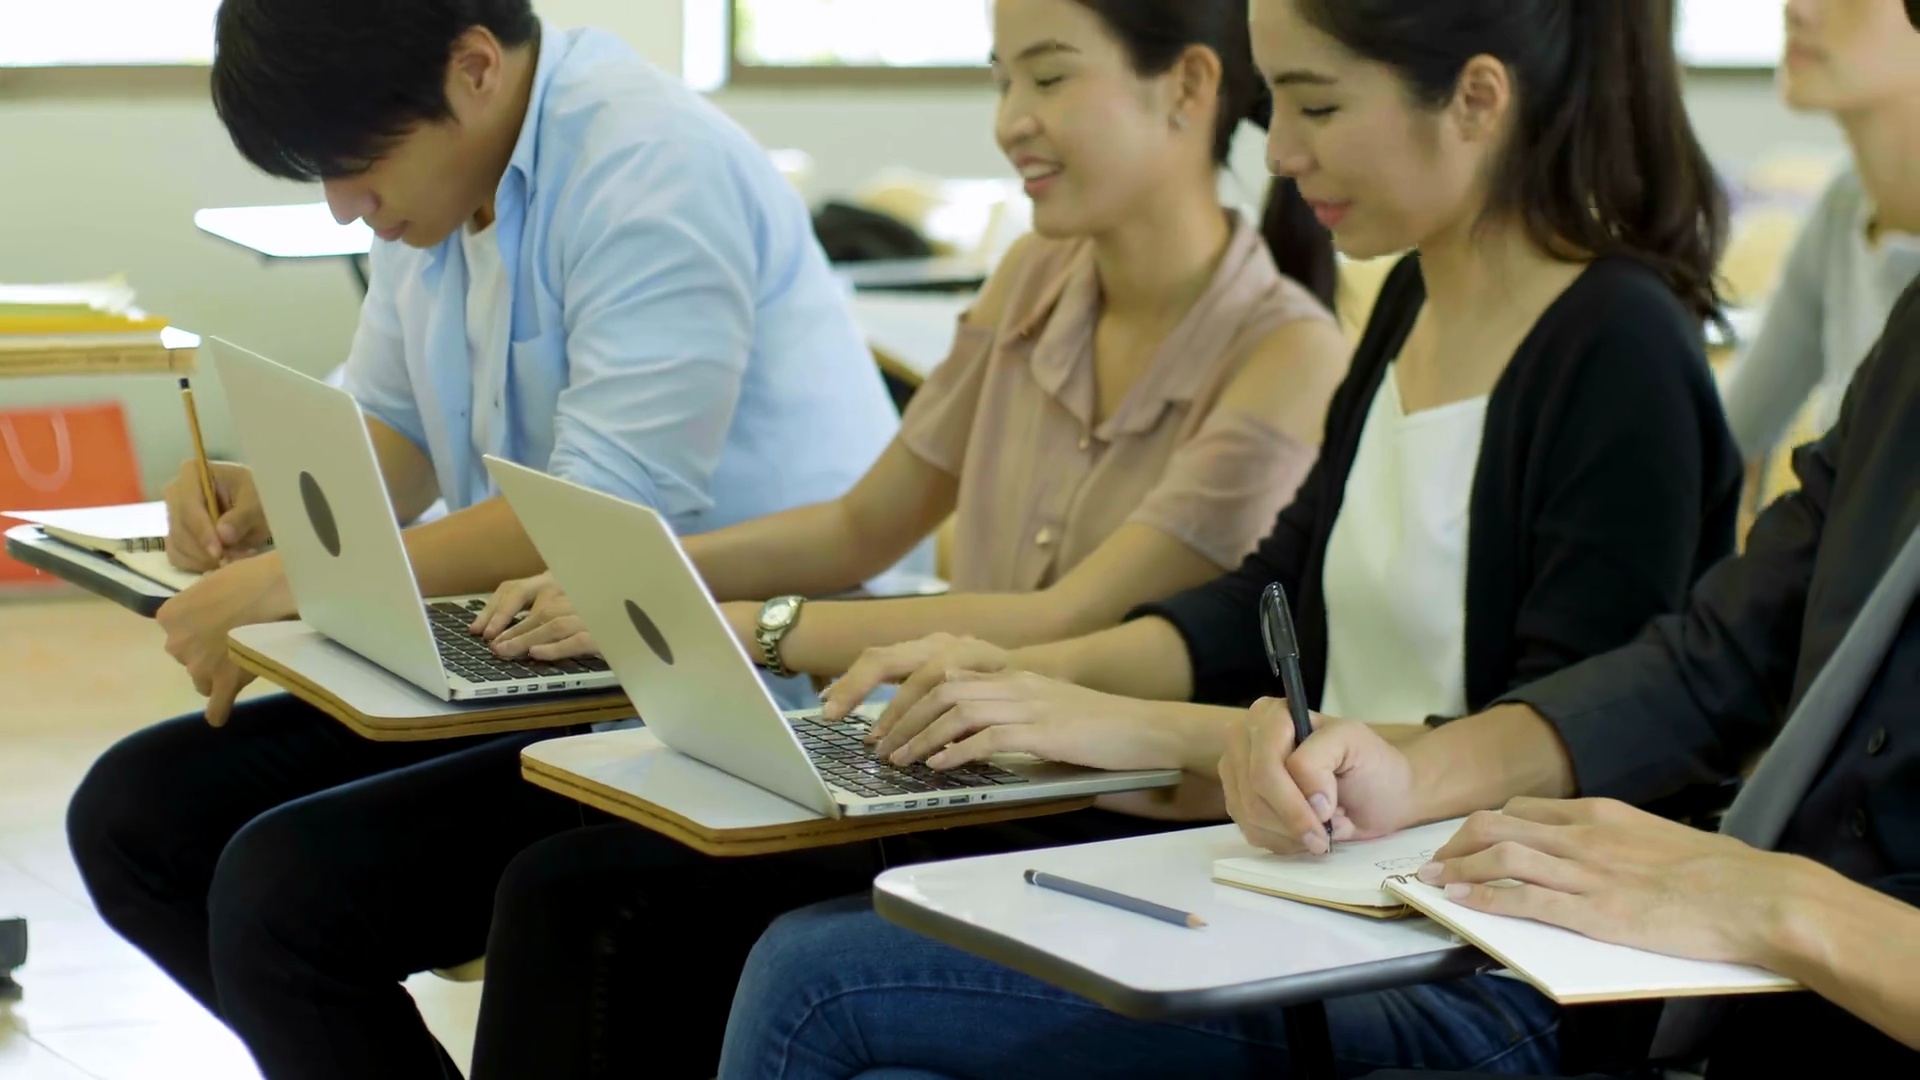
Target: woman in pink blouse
1137 392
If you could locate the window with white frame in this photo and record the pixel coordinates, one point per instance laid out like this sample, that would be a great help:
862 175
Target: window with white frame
1732 33
106 33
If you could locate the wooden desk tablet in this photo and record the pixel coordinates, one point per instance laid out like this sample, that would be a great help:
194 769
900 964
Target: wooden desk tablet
173 354
632 776
383 707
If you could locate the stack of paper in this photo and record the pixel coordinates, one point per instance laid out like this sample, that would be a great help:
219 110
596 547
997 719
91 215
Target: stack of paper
99 313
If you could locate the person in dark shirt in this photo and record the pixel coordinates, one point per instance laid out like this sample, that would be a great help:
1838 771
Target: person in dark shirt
1812 634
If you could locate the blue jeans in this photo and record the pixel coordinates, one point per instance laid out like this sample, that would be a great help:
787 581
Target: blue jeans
834 991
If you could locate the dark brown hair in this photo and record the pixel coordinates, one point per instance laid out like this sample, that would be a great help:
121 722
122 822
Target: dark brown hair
1155 34
1603 161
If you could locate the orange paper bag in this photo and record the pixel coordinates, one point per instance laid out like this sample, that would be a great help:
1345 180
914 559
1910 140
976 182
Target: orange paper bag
61 457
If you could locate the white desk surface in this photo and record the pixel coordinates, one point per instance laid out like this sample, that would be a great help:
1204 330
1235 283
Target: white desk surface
1256 951
635 763
916 329
303 231
359 683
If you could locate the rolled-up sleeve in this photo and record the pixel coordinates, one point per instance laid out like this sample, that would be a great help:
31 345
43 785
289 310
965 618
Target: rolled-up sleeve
376 371
939 421
659 289
1223 487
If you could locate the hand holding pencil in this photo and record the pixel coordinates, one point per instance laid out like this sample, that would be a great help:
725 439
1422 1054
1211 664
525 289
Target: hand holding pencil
213 509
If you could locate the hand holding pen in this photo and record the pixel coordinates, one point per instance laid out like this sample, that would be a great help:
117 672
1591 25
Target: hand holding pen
1283 655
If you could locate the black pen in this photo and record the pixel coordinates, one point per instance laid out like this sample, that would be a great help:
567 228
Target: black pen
1283 654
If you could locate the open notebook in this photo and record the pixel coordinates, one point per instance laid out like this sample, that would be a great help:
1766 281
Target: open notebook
1573 969
134 536
1353 878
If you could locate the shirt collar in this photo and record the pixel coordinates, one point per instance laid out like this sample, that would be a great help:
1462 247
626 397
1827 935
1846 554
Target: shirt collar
1065 320
516 184
525 150
519 179
1864 227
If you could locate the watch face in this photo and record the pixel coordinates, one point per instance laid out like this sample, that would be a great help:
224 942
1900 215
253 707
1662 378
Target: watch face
778 614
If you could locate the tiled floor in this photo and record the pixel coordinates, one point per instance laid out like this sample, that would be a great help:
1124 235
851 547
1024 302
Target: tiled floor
76 674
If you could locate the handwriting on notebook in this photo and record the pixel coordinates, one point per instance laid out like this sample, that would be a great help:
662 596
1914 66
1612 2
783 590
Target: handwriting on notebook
1406 864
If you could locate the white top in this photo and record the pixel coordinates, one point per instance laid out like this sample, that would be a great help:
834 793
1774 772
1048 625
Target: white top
1833 300
1396 569
489 324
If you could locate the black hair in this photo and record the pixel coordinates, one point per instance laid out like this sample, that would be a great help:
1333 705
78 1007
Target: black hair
1603 160
1156 33
319 89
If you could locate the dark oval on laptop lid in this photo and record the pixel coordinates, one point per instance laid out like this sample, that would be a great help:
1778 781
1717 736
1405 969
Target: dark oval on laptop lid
320 514
650 633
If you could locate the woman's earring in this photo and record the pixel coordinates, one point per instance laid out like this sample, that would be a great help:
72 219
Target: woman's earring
1179 121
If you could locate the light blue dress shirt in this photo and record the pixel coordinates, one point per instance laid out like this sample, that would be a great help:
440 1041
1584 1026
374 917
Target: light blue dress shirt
678 337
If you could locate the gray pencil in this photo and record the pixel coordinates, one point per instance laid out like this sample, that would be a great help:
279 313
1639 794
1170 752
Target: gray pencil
1113 899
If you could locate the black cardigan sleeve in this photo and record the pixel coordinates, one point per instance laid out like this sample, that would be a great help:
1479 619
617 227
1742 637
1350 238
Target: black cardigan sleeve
1219 621
1638 484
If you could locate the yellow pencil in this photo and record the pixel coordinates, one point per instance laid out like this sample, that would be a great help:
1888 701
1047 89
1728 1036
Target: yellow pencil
200 453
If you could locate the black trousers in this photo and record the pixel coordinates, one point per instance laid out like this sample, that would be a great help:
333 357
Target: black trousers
289 874
615 951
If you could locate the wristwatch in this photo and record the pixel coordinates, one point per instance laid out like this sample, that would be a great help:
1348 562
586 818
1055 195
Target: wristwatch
777 619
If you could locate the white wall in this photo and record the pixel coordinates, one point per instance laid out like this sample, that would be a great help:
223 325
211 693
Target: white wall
99 176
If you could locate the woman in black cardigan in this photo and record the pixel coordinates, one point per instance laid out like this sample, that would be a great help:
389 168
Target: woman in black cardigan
1606 483
1538 157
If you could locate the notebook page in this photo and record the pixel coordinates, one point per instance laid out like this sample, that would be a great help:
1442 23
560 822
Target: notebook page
153 566
1355 873
135 521
1573 969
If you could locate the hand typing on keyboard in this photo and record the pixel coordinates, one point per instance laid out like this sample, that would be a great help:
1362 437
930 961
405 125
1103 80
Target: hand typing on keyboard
972 716
469 657
547 626
847 762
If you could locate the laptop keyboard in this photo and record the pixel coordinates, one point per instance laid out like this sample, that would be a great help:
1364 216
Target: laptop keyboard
469 657
849 763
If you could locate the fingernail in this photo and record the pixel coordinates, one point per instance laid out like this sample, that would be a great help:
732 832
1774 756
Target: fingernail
1430 872
826 692
1315 841
1457 891
1322 809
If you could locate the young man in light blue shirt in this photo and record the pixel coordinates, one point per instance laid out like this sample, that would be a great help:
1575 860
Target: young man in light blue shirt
582 267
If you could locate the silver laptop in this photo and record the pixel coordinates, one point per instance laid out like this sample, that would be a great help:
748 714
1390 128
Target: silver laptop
334 526
640 597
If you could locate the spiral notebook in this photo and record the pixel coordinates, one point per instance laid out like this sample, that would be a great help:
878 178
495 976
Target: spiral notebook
1375 878
135 536
1574 969
1353 878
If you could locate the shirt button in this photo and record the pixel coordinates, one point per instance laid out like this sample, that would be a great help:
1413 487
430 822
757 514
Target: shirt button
1086 442
1876 742
1044 538
1860 823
